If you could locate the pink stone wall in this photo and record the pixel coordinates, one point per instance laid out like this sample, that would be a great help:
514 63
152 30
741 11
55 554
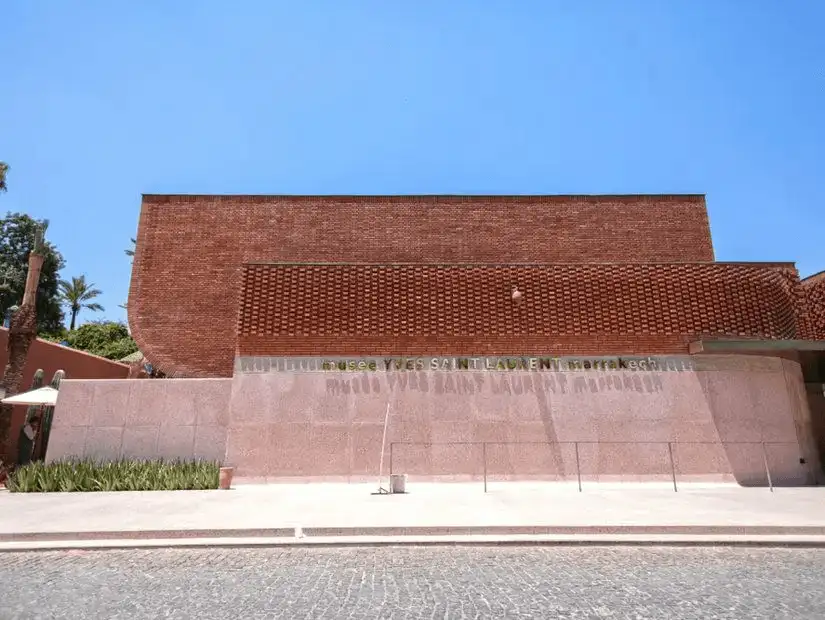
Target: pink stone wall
720 422
140 418
816 404
715 418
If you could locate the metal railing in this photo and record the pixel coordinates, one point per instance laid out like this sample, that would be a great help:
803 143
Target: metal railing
669 444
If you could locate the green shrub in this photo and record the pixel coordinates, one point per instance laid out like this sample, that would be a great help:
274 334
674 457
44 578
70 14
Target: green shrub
125 475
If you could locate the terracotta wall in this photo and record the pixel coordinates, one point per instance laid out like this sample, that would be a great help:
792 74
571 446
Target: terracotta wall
330 425
186 274
51 357
141 418
624 309
813 296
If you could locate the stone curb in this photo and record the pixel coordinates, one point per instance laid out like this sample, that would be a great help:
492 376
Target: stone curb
426 531
378 541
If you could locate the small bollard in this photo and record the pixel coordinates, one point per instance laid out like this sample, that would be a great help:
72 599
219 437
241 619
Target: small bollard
398 483
225 478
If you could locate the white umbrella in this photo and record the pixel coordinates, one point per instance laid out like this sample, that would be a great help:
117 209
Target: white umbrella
41 396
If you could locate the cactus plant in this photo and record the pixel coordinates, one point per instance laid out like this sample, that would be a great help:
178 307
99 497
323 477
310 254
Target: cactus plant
28 433
48 414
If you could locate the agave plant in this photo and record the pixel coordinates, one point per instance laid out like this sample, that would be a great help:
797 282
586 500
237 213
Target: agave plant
123 475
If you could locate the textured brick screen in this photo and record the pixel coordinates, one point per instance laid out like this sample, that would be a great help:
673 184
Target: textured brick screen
183 301
432 309
813 292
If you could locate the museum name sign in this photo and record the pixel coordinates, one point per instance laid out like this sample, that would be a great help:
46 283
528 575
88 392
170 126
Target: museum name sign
480 364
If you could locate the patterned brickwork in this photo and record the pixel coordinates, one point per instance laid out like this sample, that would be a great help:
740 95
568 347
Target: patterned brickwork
469 309
813 299
183 301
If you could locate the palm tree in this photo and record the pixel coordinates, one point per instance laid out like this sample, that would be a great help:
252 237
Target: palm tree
76 294
4 169
22 331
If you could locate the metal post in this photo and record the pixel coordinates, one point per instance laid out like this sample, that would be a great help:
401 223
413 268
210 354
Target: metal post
392 443
672 468
767 469
578 469
383 447
484 458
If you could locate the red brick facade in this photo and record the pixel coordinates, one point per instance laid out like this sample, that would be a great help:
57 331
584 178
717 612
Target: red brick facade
587 254
469 309
813 294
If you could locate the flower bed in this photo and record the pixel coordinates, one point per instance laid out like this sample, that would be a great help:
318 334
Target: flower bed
125 475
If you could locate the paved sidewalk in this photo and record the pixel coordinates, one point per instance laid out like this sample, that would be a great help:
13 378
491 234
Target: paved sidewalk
450 511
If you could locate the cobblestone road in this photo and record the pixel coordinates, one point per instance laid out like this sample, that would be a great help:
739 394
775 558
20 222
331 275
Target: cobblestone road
408 582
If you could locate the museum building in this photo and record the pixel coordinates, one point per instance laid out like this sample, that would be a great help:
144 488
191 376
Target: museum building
232 296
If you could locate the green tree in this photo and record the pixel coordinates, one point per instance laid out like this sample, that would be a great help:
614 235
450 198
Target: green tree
17 233
109 339
4 170
57 336
77 295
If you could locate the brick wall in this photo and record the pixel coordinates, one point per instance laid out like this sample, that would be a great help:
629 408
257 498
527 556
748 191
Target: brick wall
565 309
813 300
187 268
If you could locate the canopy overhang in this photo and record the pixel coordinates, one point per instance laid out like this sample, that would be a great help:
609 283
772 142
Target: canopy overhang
809 353
46 396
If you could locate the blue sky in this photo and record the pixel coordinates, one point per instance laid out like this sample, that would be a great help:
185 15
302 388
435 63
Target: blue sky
101 101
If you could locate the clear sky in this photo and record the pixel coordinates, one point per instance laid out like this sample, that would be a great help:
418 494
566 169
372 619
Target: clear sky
101 101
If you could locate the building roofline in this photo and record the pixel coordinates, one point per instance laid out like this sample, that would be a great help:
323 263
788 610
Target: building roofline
814 277
468 265
720 345
165 198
